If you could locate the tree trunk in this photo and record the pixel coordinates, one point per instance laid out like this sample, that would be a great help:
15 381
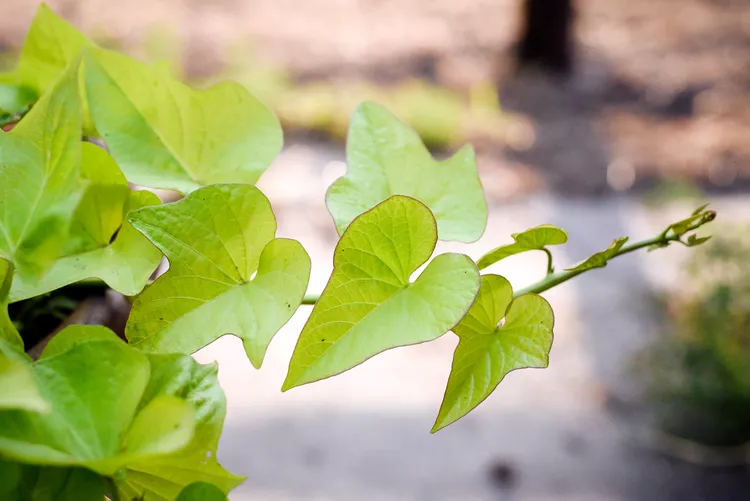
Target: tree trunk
547 36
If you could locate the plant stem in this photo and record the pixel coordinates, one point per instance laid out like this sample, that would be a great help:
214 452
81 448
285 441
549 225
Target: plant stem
554 279
550 268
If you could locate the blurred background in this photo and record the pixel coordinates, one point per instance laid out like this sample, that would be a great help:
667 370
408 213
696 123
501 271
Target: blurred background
605 118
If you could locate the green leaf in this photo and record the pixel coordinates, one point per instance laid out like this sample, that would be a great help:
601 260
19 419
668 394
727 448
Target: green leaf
39 185
19 388
486 352
10 339
700 210
600 259
216 239
35 483
95 388
15 100
369 305
51 45
385 157
694 240
163 134
699 217
10 477
162 478
201 491
100 212
536 238
125 265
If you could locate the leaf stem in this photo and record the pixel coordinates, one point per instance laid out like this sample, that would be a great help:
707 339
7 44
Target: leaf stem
550 268
661 240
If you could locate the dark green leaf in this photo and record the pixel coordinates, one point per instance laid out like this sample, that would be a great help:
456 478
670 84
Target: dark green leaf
201 491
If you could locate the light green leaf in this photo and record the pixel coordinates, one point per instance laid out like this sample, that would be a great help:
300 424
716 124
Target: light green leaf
385 157
19 388
35 483
166 423
51 45
10 339
125 265
75 336
536 238
39 185
201 491
15 100
163 134
100 212
369 304
694 240
95 389
600 259
216 239
164 477
486 352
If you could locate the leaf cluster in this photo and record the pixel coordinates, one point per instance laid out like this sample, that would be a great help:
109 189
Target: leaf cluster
139 419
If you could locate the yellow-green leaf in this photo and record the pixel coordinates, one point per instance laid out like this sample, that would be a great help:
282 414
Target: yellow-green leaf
227 275
163 134
39 183
487 351
370 304
386 157
537 238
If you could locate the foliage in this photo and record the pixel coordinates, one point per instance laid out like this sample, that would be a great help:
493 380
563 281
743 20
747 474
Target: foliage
141 420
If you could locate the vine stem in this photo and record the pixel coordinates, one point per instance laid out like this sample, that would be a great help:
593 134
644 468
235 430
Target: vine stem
663 239
553 278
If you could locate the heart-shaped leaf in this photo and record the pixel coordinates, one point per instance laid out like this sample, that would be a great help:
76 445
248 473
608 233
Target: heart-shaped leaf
94 389
125 265
162 478
39 185
600 259
385 157
216 239
536 238
486 352
150 421
51 45
369 304
163 134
